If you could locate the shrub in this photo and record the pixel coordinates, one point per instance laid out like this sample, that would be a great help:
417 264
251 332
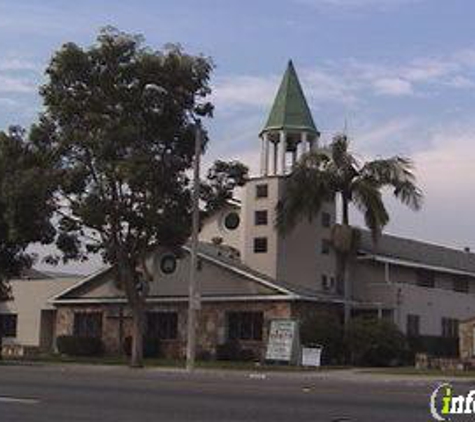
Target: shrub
434 346
325 329
151 347
204 356
247 355
79 346
230 350
375 342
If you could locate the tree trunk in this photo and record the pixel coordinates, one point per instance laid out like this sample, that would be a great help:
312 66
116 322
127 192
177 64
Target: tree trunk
138 317
344 257
128 278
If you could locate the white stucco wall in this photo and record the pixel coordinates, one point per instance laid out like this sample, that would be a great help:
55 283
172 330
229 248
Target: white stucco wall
405 297
213 227
30 297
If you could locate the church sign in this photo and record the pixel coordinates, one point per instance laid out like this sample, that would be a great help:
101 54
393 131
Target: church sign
283 344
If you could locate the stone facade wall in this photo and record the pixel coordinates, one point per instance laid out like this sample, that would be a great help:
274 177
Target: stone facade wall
466 339
211 324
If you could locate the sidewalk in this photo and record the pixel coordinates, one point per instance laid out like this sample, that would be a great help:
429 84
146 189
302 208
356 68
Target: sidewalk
352 375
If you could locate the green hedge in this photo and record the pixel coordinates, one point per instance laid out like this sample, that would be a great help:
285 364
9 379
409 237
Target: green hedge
232 351
79 346
434 346
324 328
374 342
151 347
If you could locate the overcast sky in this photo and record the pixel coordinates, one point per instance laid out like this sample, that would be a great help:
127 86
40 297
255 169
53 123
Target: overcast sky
400 72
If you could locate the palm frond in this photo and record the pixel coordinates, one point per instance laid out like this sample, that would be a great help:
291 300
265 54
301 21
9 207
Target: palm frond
307 189
396 173
368 199
341 156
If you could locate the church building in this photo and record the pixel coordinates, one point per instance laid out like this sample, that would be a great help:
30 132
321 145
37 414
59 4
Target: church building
249 274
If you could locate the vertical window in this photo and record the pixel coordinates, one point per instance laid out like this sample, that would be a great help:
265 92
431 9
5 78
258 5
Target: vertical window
88 324
260 218
325 285
162 325
450 328
326 245
425 278
326 219
260 244
413 325
245 325
262 191
8 325
328 282
460 284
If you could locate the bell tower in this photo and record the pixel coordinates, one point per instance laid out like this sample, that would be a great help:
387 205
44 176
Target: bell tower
297 257
290 130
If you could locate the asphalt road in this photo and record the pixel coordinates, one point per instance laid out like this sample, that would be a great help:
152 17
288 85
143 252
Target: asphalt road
72 393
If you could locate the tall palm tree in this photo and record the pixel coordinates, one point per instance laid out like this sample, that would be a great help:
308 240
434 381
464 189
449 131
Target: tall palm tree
322 176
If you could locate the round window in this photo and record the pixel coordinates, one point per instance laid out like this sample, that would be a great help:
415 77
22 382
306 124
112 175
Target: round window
231 221
168 264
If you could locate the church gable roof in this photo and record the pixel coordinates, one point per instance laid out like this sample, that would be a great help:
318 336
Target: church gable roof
219 277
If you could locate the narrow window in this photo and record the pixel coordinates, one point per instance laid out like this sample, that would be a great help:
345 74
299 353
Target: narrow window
413 325
88 324
325 285
326 219
260 218
8 325
260 244
245 325
450 327
262 191
425 278
460 284
162 325
326 245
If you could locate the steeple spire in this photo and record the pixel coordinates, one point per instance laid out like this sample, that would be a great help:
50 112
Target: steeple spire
290 110
289 127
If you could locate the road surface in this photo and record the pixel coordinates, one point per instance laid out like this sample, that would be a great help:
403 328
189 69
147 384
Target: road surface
71 393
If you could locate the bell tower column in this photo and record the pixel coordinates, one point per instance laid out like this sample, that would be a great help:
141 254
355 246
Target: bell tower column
264 154
282 151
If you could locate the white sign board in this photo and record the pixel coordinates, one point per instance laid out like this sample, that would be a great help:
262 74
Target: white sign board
283 340
311 356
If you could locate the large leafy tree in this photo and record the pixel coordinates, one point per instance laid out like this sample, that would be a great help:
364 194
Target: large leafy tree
221 181
26 203
121 120
337 174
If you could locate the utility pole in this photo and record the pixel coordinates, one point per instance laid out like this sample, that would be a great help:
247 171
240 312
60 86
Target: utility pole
193 293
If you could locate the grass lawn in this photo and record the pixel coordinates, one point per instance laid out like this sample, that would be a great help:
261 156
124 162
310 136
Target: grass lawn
163 363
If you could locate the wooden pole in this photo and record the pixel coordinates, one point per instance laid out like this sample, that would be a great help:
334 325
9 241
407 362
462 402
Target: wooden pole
193 293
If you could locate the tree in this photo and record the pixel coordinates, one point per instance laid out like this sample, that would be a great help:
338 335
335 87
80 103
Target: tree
26 203
222 179
121 119
336 174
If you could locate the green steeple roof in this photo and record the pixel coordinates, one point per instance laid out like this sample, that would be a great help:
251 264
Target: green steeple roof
290 109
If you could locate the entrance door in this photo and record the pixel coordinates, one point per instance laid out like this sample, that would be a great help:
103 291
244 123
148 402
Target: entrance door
47 330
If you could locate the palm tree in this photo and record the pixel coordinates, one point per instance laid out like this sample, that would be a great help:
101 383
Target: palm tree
327 175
